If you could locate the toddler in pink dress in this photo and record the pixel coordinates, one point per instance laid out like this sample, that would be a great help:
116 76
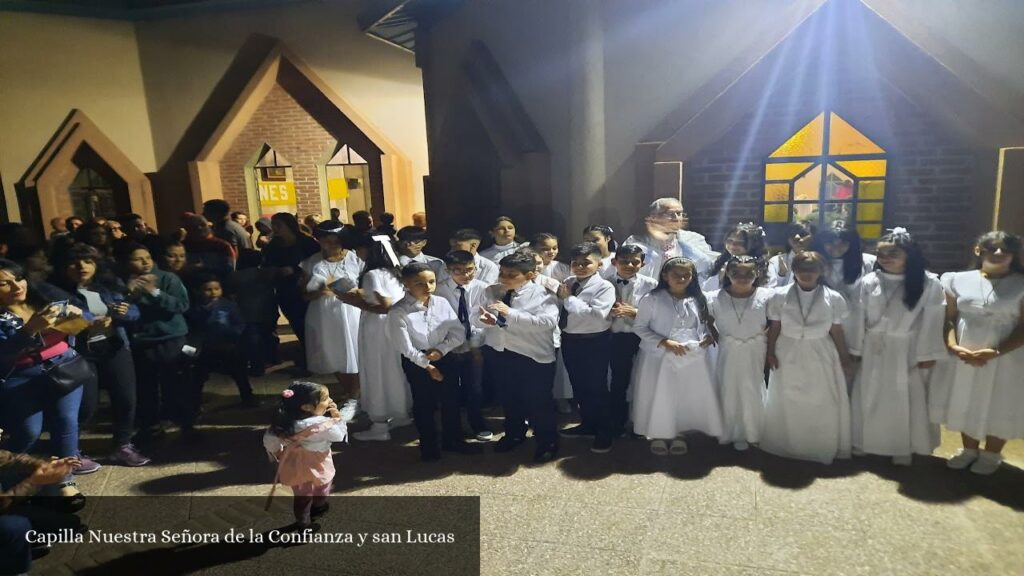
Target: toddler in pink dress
299 440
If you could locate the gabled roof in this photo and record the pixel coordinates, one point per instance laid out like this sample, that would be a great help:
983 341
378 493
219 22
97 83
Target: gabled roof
840 35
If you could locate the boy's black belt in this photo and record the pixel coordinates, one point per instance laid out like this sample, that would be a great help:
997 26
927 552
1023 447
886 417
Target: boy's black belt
589 335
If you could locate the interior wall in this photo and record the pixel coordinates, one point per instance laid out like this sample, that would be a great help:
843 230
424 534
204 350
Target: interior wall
184 58
52 64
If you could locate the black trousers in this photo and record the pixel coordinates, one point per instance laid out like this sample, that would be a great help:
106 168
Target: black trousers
261 344
223 357
525 386
162 378
294 309
586 361
426 395
467 368
624 348
489 385
117 373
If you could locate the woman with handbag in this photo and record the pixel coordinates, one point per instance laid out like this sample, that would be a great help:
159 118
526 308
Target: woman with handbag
42 373
105 345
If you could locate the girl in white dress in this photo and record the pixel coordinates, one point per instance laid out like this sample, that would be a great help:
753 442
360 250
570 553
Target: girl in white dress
743 240
604 237
898 333
983 393
807 411
780 267
504 234
385 394
846 264
740 310
332 327
546 246
673 387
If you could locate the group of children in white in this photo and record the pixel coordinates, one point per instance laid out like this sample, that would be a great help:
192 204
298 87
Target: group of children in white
864 354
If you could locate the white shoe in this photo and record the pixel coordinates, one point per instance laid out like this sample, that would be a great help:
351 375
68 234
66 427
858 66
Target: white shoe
378 432
348 413
987 463
905 460
741 446
962 459
485 436
857 451
399 422
677 447
659 447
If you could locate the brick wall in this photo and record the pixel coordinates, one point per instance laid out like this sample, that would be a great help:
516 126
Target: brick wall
929 177
288 128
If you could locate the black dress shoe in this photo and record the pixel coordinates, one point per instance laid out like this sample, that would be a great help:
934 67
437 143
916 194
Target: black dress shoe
578 431
430 454
545 453
508 443
463 448
318 511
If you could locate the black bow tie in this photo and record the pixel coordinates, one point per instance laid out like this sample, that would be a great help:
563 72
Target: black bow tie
621 281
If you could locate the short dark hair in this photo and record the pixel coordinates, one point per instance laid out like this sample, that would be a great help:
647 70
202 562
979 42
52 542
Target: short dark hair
411 234
217 208
123 250
335 212
361 214
585 249
542 237
627 250
413 269
237 213
81 251
458 258
466 234
520 261
387 218
67 221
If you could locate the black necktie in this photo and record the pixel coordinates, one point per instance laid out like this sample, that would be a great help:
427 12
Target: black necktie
563 316
507 300
463 312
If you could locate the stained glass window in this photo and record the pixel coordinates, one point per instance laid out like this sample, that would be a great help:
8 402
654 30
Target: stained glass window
827 171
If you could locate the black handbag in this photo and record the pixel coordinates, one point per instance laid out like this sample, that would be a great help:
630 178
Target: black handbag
69 375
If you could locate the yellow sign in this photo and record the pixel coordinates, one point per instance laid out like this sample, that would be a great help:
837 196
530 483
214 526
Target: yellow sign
337 188
277 194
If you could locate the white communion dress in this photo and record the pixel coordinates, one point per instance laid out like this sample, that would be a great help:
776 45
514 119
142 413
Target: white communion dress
807 410
672 394
889 403
385 393
332 327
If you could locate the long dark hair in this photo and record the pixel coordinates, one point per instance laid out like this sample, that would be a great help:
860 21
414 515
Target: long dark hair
290 222
1011 243
853 260
105 276
734 261
801 228
753 239
607 232
377 258
33 297
913 277
290 410
692 291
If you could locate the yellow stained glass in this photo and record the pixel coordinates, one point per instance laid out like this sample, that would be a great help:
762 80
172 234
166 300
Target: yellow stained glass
871 190
845 139
784 171
869 211
808 186
776 192
776 213
864 168
806 142
869 231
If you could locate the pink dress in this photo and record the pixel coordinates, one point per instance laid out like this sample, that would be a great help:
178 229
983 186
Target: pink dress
304 460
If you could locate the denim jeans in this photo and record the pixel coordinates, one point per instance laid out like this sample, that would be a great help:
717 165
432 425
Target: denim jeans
27 403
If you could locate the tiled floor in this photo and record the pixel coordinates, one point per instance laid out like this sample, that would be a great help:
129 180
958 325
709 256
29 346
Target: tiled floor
711 512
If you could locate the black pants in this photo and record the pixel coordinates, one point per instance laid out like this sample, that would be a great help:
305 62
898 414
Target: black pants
116 372
586 361
294 309
466 369
260 344
426 395
525 386
162 378
624 348
489 392
223 357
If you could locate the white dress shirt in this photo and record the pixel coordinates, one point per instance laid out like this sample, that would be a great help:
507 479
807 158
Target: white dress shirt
475 294
486 270
557 270
413 328
495 253
686 243
629 293
529 325
588 309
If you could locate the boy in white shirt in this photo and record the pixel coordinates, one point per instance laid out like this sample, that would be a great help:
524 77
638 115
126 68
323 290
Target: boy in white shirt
424 329
520 319
587 299
469 240
465 293
411 242
630 287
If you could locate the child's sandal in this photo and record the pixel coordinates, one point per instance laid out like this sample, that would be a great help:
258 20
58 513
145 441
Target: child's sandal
659 448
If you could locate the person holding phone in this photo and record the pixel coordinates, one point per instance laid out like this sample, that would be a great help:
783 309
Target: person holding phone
30 344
